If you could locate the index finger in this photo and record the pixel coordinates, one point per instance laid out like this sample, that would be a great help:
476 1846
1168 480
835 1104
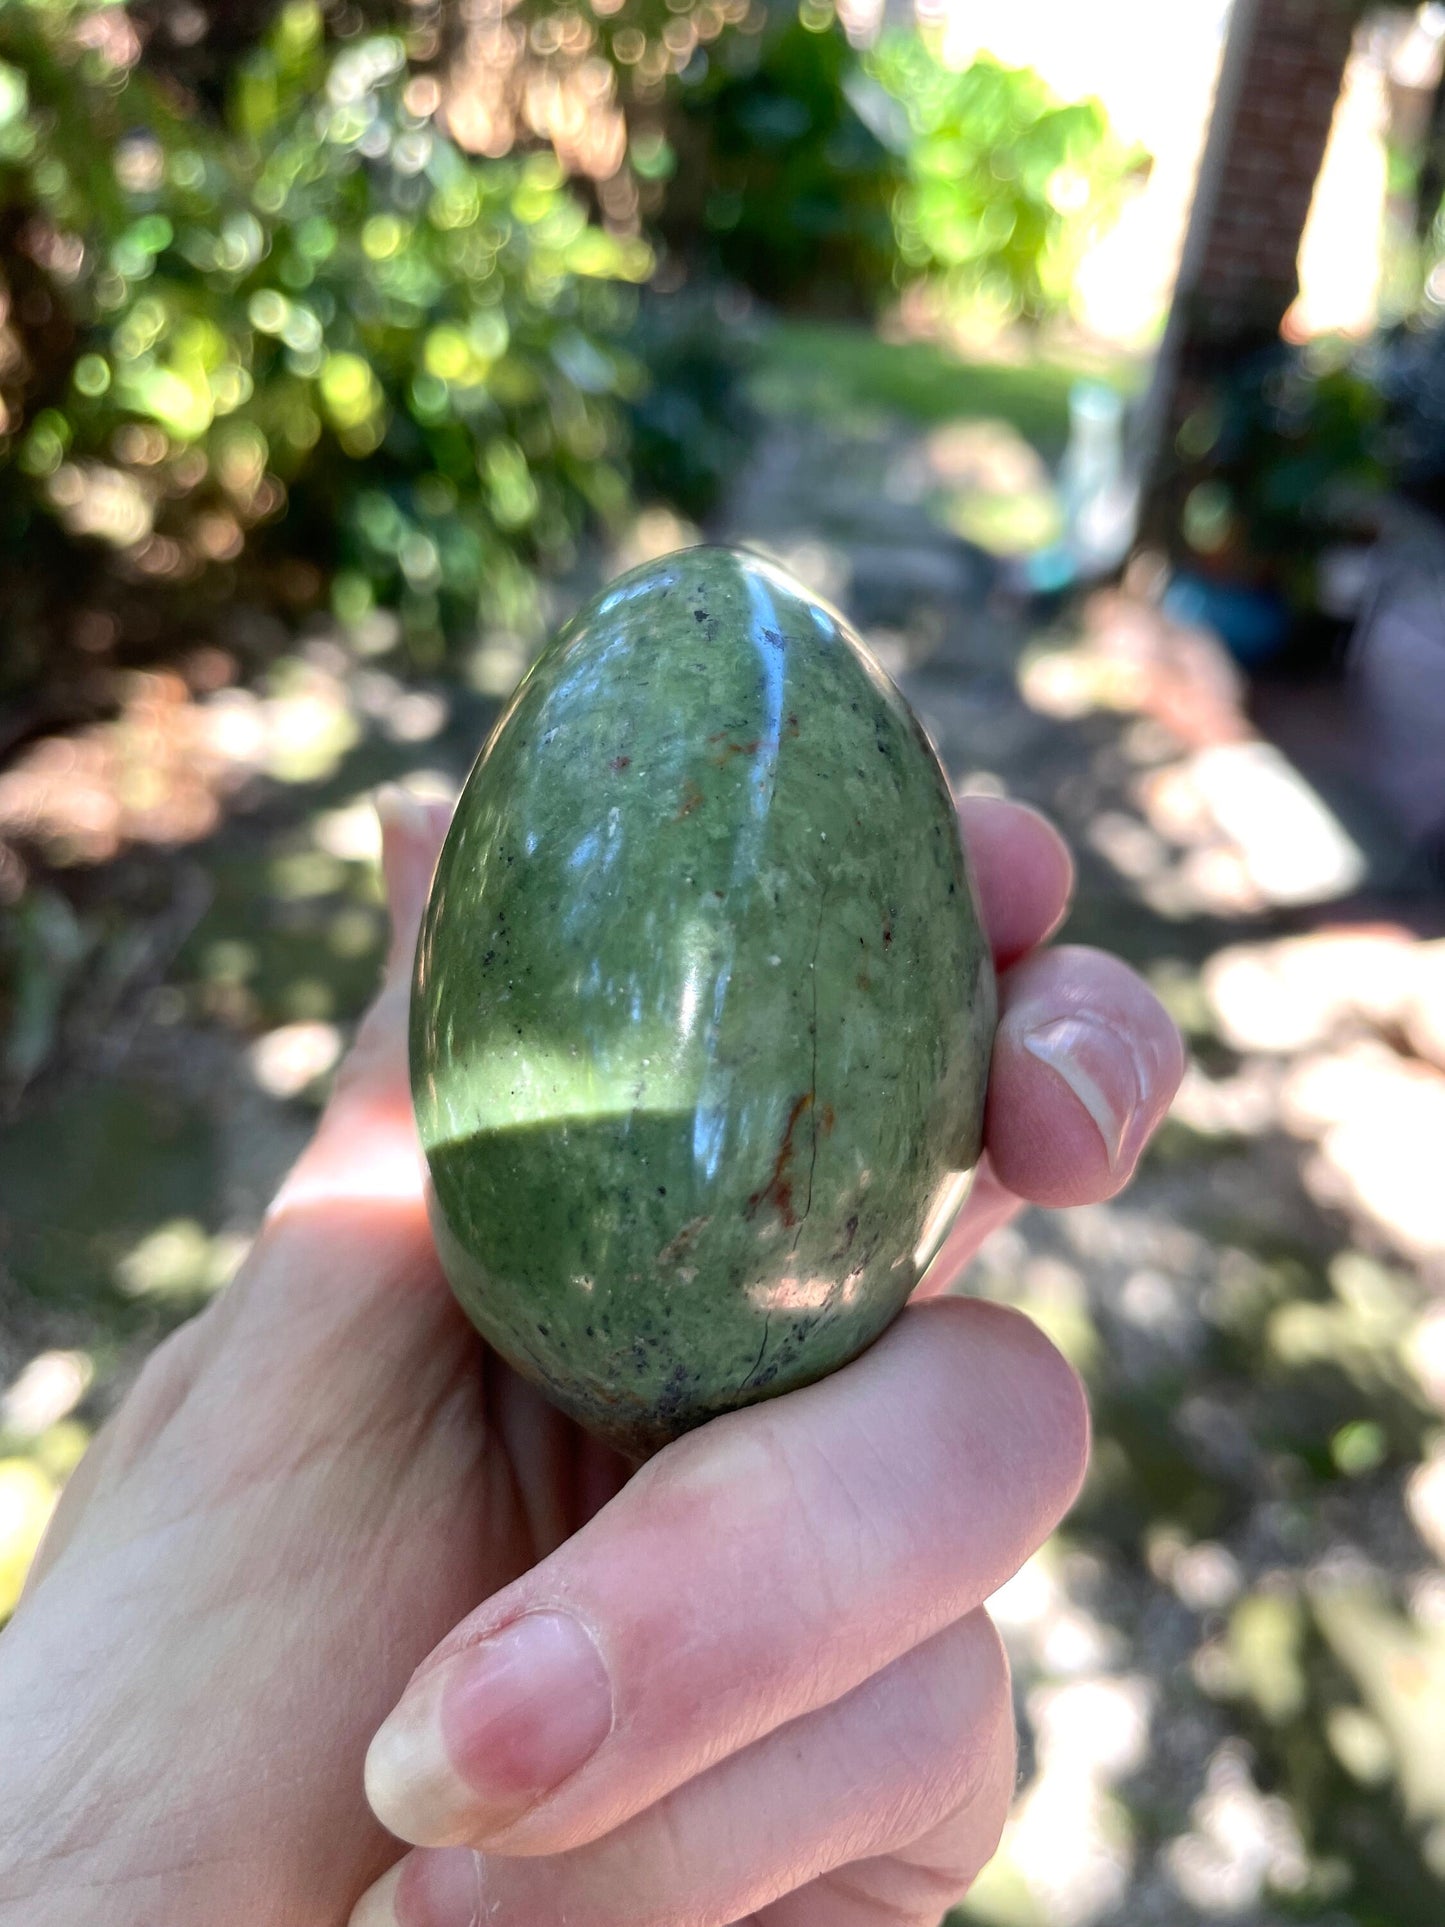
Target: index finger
754 1571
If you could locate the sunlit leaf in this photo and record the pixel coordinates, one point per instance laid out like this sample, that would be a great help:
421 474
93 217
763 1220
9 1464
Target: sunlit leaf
350 390
181 405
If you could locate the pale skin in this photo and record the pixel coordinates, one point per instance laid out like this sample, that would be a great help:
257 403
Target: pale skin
762 1662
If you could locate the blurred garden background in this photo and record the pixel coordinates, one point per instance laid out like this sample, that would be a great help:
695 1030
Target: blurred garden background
1094 359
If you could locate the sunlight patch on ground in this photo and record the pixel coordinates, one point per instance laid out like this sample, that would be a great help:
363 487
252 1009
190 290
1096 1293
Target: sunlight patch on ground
993 487
399 712
1293 848
1131 659
1204 1576
1379 1121
306 726
181 1260
48 1390
1425 1497
1245 1104
1287 996
655 532
351 833
1424 1353
820 566
1399 1672
1067 1855
289 1061
1242 1844
1353 1018
162 770
1225 823
498 665
1070 1842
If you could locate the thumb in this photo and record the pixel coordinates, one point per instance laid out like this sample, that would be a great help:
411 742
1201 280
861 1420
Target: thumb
411 839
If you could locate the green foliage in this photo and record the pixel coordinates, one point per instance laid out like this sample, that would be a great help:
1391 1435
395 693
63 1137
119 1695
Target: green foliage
282 334
692 422
1279 457
1005 186
824 179
310 328
781 183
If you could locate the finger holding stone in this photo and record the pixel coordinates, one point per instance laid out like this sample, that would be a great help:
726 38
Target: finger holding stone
1086 1062
908 1749
1022 872
751 1573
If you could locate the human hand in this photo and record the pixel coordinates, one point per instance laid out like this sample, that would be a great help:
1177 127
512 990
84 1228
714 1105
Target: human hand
800 1712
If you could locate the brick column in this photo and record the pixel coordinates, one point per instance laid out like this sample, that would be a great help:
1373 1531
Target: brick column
1278 87
1244 266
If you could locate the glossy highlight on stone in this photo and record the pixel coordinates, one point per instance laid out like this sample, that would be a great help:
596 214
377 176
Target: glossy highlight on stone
702 1010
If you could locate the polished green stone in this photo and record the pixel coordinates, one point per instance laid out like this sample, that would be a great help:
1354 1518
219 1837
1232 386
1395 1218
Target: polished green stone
702 1010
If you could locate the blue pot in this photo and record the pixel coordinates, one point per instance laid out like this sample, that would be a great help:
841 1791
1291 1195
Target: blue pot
1253 624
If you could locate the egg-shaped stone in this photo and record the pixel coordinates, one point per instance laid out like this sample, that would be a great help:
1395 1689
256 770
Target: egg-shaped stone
702 1009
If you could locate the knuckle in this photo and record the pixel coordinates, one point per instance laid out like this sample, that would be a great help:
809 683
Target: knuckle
1050 1393
1022 1436
992 1672
775 1484
977 1701
944 1716
842 1506
161 1388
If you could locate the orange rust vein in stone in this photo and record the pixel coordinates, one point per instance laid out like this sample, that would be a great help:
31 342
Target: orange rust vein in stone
779 1188
729 750
691 798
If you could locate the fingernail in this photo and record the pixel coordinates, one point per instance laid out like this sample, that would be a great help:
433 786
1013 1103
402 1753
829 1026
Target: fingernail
1100 1068
398 809
450 1884
482 1737
377 1906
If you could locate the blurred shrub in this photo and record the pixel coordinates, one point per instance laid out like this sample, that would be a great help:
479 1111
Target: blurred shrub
779 182
693 420
1005 185
276 331
1408 364
826 179
1281 458
310 332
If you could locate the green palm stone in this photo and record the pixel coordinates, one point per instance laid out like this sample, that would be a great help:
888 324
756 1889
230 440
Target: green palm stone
702 1010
